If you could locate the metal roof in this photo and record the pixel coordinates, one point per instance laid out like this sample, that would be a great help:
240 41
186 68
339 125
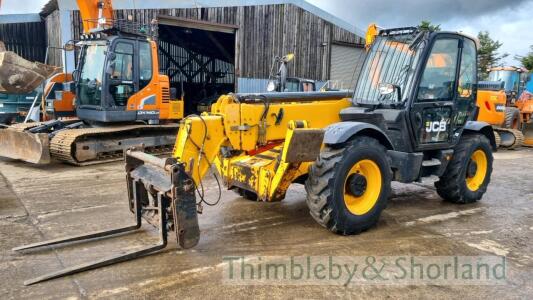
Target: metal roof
19 18
169 4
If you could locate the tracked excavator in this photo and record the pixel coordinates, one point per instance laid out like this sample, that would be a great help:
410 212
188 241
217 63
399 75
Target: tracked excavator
121 99
525 105
492 101
412 115
506 103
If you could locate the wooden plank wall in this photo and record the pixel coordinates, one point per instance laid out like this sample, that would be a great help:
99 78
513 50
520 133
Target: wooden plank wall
25 39
53 36
264 32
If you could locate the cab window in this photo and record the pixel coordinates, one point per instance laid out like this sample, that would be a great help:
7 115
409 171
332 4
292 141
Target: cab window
123 68
145 64
122 88
467 75
467 80
438 80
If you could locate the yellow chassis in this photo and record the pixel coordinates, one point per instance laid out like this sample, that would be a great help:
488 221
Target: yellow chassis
258 147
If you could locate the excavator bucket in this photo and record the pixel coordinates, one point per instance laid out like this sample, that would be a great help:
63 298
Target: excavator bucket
19 76
24 145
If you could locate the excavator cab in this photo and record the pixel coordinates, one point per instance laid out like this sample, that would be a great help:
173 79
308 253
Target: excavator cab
118 80
513 79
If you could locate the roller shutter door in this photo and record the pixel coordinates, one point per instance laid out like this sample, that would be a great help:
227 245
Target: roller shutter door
346 63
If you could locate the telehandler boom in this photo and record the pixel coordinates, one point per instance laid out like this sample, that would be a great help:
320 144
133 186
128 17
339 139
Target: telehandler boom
410 117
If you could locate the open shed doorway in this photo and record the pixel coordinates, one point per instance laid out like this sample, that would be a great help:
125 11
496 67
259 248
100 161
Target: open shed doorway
199 58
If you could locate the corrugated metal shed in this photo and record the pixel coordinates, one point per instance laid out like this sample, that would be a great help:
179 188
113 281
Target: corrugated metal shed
173 4
263 29
20 18
24 34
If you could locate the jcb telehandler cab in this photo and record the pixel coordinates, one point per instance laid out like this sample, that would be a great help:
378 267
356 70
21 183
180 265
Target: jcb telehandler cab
410 117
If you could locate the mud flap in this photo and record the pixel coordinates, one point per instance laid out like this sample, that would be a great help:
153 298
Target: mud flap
304 145
30 147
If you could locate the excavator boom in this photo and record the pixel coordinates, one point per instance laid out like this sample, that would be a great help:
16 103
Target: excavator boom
96 14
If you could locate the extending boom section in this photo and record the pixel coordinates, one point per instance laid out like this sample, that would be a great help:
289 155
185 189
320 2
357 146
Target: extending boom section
258 143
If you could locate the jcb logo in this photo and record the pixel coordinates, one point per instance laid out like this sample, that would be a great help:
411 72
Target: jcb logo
436 126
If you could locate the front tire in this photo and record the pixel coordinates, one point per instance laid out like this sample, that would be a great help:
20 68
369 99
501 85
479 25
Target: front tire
349 187
468 174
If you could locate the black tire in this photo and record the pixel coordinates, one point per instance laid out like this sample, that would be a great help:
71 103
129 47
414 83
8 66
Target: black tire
452 186
326 186
512 118
250 196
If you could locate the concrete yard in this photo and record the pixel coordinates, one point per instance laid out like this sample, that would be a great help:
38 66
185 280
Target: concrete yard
38 203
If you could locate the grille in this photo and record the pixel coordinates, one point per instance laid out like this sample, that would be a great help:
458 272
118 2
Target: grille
166 95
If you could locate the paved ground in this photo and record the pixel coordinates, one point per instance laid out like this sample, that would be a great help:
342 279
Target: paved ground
43 203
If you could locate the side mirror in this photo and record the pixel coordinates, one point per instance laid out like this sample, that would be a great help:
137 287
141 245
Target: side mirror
111 56
76 75
272 86
386 88
287 58
69 47
110 69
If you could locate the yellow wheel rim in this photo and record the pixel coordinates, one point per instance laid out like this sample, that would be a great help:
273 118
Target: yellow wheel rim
474 181
363 203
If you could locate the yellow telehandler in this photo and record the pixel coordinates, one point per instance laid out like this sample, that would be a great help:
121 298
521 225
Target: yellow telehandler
410 116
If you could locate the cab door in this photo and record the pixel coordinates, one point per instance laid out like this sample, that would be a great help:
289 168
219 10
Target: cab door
435 96
123 82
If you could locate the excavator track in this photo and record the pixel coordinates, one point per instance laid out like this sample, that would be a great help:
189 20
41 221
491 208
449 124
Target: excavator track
528 135
510 138
498 139
89 146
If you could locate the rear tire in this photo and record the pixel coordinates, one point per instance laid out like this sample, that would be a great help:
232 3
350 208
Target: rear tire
468 174
332 186
512 118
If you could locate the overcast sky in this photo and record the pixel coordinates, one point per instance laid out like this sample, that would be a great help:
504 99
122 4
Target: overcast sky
508 21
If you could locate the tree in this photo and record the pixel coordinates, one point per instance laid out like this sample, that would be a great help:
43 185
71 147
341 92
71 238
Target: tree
426 25
488 54
526 60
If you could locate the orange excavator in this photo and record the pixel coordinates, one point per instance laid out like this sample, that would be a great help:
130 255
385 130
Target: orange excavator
493 109
525 105
121 99
506 103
